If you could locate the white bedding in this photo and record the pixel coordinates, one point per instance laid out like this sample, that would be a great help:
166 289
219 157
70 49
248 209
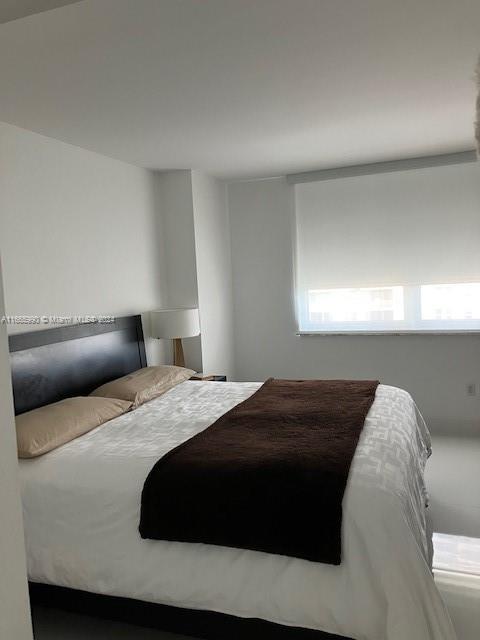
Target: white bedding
81 507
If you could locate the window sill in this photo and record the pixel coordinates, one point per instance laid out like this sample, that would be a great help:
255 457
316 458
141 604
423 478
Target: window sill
408 332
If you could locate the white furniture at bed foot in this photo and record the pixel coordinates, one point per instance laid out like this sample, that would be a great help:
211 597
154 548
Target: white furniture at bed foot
457 575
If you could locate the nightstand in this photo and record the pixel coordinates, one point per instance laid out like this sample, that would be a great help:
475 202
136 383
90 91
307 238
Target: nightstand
208 377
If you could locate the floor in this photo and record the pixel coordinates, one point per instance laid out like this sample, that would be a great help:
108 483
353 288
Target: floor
453 480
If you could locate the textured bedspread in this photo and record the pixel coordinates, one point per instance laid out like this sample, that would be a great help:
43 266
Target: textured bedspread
268 475
82 502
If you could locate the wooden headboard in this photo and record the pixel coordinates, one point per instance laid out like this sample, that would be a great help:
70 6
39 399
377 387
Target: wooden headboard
73 360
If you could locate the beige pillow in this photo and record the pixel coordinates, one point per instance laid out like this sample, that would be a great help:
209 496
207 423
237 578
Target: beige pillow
145 384
48 427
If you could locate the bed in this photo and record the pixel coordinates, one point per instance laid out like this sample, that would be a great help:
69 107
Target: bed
81 508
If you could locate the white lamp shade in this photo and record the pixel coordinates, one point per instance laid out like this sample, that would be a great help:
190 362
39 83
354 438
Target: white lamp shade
175 323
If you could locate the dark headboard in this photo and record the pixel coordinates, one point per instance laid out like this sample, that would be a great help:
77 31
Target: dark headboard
73 360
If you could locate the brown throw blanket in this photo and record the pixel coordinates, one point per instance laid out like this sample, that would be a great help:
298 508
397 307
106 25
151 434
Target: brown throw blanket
268 475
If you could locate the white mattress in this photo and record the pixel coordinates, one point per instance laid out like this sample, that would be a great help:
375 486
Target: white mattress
81 506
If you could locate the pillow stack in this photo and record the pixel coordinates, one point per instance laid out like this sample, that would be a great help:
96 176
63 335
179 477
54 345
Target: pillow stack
48 427
145 384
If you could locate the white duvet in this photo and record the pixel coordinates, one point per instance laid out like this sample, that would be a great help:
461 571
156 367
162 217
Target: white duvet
81 507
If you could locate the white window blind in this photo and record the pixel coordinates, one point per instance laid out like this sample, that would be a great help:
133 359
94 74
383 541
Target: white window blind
390 252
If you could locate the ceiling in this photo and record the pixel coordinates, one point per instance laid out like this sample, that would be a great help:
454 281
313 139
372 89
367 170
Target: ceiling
246 88
15 9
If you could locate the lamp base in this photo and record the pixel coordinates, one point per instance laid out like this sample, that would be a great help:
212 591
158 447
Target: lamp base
178 356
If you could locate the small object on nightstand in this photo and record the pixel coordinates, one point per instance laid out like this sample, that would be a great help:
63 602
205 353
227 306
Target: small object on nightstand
210 377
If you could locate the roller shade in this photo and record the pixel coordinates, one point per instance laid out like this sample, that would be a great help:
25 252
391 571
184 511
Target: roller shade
390 233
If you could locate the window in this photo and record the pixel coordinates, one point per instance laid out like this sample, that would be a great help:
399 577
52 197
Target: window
390 252
444 306
450 302
335 306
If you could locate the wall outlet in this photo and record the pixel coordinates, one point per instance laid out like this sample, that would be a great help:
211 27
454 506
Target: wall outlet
471 389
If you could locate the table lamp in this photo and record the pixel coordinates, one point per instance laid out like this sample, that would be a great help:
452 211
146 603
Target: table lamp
175 324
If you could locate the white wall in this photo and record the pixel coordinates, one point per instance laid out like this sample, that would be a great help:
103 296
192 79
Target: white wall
83 234
14 606
198 263
80 233
214 272
176 203
435 369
